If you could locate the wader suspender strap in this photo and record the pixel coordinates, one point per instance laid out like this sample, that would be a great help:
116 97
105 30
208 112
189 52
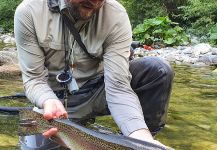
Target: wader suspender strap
76 35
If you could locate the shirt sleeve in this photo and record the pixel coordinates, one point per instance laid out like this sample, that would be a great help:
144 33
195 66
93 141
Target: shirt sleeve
31 58
123 103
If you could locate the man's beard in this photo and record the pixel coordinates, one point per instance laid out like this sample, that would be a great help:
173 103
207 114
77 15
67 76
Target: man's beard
77 13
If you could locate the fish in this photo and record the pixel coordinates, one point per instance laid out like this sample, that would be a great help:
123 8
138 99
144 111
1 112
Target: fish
77 137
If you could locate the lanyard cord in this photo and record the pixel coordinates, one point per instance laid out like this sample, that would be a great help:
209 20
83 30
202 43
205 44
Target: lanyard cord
67 58
66 51
66 69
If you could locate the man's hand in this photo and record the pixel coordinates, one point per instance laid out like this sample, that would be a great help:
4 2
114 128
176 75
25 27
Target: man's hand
145 135
53 109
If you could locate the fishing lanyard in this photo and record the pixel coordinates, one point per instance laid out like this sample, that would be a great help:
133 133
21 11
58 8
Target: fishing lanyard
67 71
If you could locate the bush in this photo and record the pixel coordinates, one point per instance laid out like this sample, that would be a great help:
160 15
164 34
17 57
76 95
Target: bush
160 30
213 35
195 16
200 16
7 9
172 7
140 9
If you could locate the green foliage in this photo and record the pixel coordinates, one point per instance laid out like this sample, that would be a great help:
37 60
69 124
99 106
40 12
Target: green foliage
160 30
140 9
195 16
213 35
199 16
7 9
172 7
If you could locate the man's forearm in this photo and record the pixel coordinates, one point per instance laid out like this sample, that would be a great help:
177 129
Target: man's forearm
38 92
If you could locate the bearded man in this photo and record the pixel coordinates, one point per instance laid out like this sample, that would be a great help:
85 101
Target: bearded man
136 93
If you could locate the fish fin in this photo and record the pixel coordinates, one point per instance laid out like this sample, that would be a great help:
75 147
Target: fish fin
58 141
25 131
28 124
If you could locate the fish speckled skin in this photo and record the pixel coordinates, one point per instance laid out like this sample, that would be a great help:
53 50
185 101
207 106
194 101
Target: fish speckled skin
77 137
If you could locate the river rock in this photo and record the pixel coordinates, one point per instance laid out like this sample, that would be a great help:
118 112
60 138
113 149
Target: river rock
9 63
10 49
8 57
9 71
13 42
214 51
187 50
209 59
8 39
198 55
201 48
4 36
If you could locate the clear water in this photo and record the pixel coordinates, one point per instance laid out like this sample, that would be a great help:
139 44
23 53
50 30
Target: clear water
192 115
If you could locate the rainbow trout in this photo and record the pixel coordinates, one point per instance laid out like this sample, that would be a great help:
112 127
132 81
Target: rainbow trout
77 137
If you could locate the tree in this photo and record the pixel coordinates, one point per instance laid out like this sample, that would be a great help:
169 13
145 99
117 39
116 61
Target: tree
140 9
7 9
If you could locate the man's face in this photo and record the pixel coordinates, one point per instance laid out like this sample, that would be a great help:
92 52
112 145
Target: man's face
84 9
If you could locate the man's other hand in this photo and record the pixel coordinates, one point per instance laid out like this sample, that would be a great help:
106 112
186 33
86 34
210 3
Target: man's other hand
145 135
53 109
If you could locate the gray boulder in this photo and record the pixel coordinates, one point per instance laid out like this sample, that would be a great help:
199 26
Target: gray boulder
8 56
209 59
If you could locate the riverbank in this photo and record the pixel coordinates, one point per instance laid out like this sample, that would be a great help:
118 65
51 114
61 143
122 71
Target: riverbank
192 105
201 54
196 55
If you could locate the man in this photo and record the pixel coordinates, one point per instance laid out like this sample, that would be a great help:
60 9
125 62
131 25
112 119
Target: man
46 47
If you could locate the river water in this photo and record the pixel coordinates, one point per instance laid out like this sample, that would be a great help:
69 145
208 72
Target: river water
192 115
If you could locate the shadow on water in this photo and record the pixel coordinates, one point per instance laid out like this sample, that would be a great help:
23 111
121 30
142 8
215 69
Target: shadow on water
192 114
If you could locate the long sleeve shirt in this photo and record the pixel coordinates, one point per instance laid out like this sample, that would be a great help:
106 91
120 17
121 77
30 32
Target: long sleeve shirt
41 50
